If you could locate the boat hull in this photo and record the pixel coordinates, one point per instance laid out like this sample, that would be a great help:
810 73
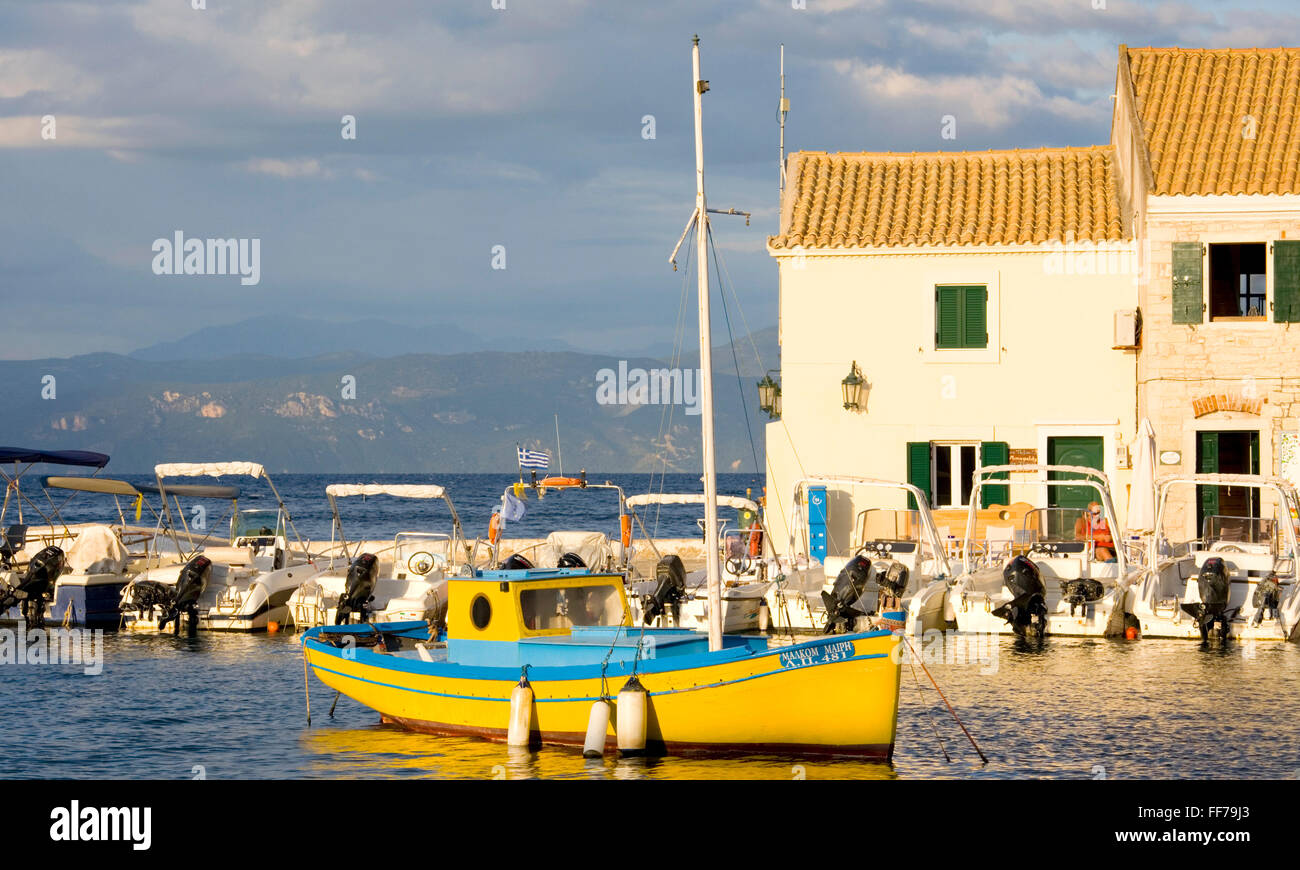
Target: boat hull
832 697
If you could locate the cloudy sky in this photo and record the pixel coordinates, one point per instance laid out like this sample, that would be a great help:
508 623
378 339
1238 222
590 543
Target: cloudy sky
476 127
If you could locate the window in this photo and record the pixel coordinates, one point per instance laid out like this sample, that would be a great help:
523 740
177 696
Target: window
952 466
961 316
552 608
944 471
1237 282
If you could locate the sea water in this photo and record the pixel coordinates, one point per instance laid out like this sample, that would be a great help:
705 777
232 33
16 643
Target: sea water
218 706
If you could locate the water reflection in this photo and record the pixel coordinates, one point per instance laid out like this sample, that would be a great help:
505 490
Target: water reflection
387 751
1074 708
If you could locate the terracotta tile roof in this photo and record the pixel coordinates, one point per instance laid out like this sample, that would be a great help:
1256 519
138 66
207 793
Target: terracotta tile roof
950 198
1192 103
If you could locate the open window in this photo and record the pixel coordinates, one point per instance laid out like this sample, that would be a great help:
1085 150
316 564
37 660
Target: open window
1238 282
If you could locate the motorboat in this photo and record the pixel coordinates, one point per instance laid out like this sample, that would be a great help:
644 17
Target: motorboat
405 580
551 655
243 584
1062 572
744 571
34 555
102 557
1237 579
590 549
894 552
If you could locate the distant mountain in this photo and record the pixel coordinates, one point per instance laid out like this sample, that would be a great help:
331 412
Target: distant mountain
304 338
421 412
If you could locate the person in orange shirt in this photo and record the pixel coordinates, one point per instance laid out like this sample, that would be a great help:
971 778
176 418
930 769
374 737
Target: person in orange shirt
1092 526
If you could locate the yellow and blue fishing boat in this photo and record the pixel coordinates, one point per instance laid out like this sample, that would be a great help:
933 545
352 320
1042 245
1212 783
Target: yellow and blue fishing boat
567 635
551 656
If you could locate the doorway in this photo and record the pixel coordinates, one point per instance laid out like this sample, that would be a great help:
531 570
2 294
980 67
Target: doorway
1226 452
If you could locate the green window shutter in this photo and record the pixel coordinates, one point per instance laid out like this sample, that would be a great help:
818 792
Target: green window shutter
974 317
1188 282
918 470
961 316
947 317
995 453
1286 281
1208 463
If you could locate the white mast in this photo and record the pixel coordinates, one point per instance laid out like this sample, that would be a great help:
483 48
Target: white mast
782 108
712 567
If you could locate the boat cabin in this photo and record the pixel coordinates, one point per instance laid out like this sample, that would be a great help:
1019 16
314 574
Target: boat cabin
556 617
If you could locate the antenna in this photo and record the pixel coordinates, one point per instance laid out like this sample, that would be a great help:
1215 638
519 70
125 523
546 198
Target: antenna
559 454
782 108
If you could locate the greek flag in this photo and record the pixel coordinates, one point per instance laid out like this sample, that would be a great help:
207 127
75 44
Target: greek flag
533 458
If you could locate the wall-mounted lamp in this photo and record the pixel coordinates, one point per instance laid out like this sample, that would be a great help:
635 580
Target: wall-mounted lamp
769 396
852 387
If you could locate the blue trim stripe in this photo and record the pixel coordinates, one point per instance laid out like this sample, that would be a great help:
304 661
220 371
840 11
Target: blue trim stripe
597 698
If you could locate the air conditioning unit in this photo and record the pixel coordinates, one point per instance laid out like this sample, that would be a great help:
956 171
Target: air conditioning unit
1127 329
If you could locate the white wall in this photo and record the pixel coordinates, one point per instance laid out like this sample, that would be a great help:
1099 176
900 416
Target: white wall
1049 370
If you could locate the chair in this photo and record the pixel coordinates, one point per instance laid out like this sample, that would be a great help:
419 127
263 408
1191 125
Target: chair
999 540
12 540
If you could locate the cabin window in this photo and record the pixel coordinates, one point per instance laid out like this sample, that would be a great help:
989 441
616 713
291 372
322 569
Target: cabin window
1238 282
961 316
480 612
561 607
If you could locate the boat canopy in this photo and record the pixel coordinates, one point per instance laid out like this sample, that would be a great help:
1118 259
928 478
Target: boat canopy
84 458
91 484
397 490
194 490
208 469
733 501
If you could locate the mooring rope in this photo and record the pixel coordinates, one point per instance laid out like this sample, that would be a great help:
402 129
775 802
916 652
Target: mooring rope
955 717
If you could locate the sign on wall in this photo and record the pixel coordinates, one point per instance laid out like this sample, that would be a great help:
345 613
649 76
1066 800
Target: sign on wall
1288 453
1023 456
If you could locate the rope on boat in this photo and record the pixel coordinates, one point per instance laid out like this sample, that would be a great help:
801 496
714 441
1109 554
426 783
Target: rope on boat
306 683
928 718
336 703
955 717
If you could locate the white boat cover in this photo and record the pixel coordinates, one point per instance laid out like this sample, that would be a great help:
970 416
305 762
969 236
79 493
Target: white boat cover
592 547
399 490
97 550
211 469
734 501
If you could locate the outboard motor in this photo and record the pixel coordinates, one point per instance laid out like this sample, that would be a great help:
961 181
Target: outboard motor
190 585
145 595
1212 584
670 577
892 577
36 587
359 590
516 562
1268 597
571 560
1081 592
1027 609
854 582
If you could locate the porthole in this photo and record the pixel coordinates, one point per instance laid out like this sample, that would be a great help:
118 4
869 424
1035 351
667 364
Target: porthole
480 612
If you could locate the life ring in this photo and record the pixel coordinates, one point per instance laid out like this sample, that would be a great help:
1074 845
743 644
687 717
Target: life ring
560 481
755 538
625 529
494 529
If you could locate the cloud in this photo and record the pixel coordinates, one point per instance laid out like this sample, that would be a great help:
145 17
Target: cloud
302 167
